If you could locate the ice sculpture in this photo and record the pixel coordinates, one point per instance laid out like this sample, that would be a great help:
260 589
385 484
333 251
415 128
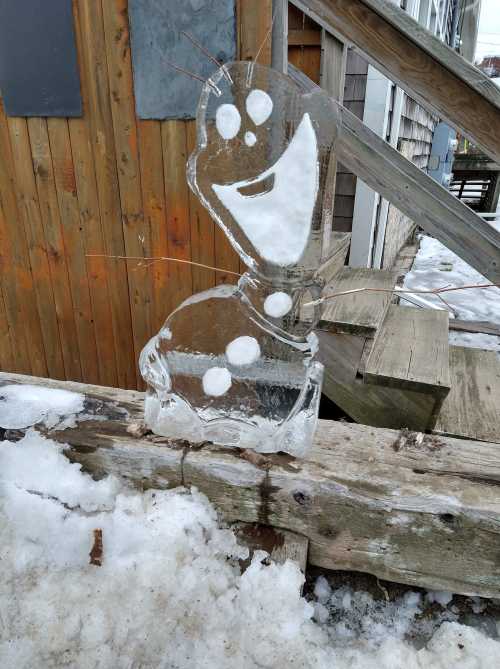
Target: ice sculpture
235 365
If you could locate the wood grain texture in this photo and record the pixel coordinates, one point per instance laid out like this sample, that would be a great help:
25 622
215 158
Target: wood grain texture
471 409
90 215
361 312
15 271
414 508
65 357
411 351
6 354
29 210
343 357
418 196
410 56
93 61
155 216
486 327
174 142
202 230
136 233
74 246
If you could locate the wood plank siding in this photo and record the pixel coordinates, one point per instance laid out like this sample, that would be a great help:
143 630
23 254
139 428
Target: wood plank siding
72 190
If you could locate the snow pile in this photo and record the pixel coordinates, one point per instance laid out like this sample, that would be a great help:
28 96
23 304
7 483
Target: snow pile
169 593
436 266
25 405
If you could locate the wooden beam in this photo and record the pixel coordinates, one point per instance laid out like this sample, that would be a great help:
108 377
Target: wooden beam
407 507
420 63
304 37
279 45
484 327
418 196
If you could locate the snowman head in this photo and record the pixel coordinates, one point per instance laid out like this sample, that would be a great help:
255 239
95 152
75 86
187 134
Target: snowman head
260 166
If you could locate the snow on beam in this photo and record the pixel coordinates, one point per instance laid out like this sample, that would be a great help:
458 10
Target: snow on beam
407 507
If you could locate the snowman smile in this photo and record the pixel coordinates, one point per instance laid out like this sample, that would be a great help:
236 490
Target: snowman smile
275 208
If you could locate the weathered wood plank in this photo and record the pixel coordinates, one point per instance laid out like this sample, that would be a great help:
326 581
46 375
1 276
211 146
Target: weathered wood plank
29 210
485 327
411 351
357 313
413 508
471 409
332 80
418 196
202 230
343 357
304 37
155 215
334 261
135 231
279 44
93 62
94 240
410 56
74 246
64 356
15 270
174 144
6 354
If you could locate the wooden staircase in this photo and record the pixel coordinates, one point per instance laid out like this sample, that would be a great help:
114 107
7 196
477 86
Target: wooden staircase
391 366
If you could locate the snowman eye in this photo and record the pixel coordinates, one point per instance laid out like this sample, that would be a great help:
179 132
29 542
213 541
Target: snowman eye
228 121
259 106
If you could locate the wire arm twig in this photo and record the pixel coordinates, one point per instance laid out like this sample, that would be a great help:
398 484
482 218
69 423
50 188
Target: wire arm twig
151 260
432 291
208 54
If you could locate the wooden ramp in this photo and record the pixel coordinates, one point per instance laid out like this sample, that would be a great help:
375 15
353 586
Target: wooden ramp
472 408
408 507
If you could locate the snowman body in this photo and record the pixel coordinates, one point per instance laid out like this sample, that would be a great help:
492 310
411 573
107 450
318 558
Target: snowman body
235 365
219 371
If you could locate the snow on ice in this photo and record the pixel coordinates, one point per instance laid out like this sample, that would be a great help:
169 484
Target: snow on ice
216 381
228 121
277 304
169 593
259 106
243 351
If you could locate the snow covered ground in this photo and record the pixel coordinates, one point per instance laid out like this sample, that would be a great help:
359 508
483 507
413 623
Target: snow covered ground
435 266
169 592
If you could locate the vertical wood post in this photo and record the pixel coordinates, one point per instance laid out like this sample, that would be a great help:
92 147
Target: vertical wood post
332 79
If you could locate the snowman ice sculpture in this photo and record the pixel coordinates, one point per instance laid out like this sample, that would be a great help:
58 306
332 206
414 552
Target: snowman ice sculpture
235 365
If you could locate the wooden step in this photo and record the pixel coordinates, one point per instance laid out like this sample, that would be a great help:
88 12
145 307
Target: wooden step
472 408
380 406
411 351
361 312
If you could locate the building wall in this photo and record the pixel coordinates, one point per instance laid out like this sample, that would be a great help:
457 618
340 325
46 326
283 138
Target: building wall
107 184
354 100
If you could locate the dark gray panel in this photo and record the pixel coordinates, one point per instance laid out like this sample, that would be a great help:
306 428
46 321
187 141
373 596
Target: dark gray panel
38 64
160 91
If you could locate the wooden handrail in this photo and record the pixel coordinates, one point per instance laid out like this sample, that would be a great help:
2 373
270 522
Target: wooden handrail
427 69
412 191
